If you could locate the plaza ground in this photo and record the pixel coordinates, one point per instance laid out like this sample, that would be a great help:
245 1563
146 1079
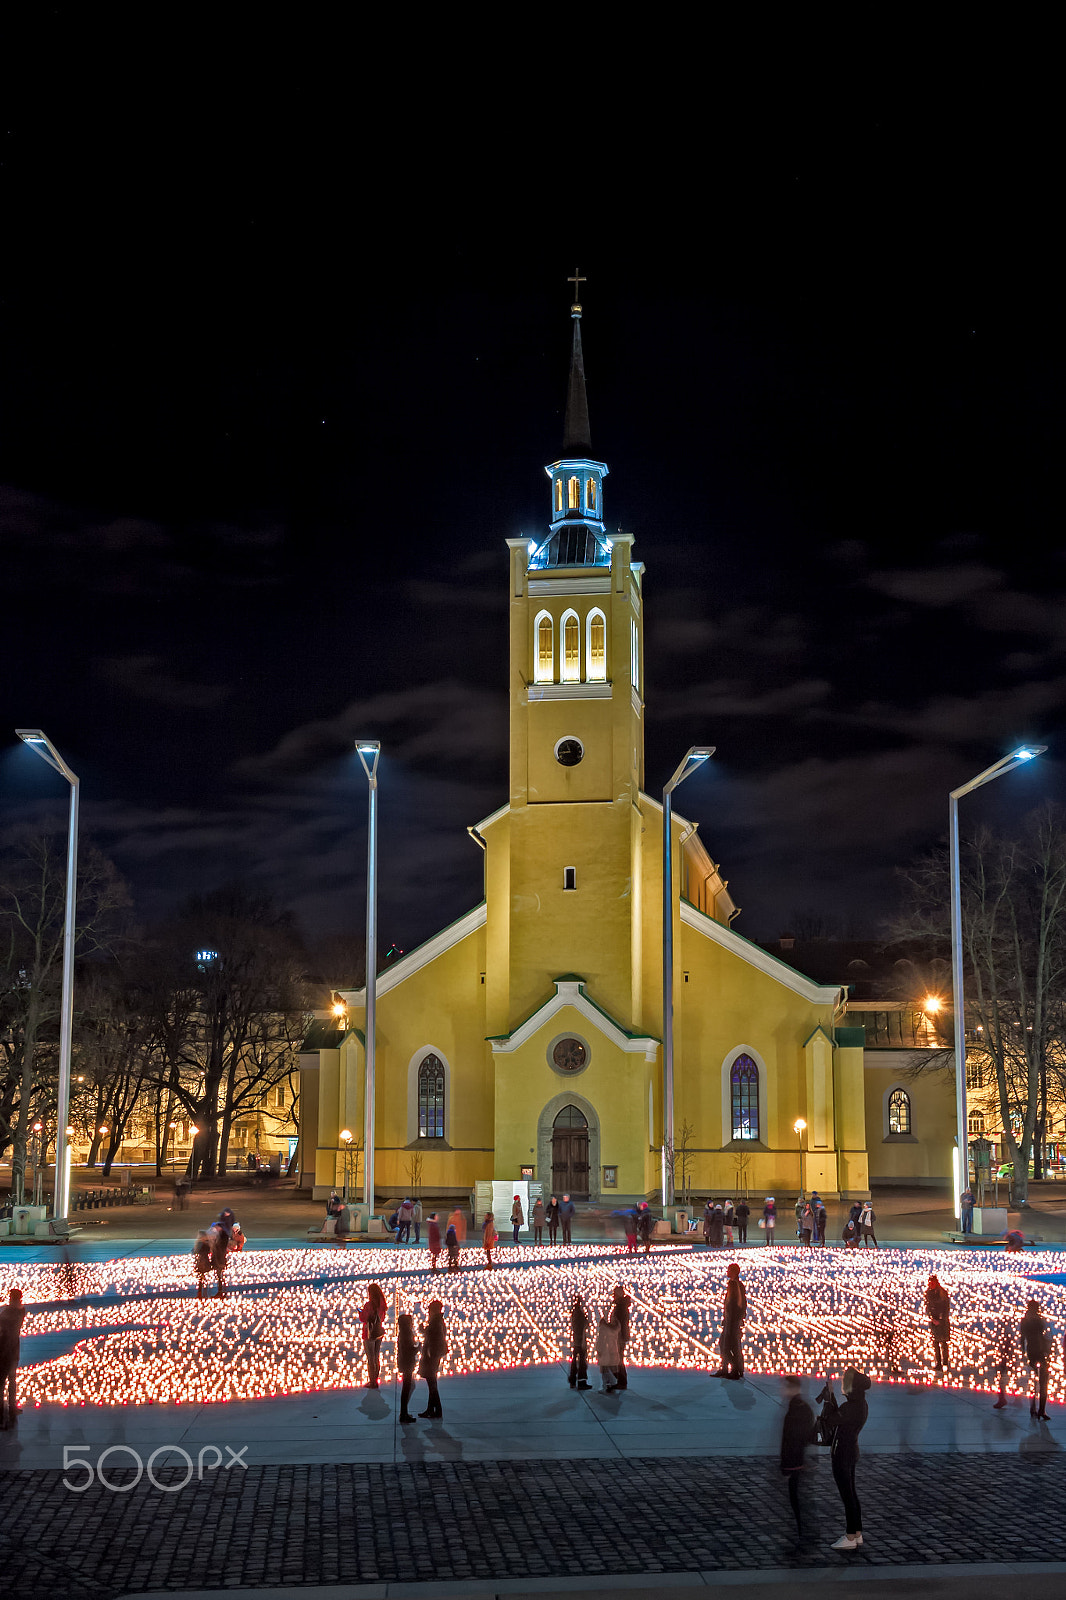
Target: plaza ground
526 1486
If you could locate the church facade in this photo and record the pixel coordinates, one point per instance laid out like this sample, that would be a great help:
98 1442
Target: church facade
526 1038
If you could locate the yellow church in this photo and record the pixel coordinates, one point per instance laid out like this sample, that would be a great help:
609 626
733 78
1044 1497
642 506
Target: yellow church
525 1040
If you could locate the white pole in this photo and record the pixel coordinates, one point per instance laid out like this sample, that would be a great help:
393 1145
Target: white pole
962 1161
668 994
61 1199
372 748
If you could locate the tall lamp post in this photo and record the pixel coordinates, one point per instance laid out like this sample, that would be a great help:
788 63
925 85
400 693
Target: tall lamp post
43 746
1017 758
369 751
797 1128
694 759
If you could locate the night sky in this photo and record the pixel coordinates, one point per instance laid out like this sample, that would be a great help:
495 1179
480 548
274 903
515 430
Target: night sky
284 354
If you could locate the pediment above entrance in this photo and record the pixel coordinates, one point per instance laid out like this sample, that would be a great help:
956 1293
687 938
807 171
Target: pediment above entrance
570 992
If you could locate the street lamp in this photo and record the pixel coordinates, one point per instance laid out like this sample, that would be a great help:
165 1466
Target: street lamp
797 1128
43 746
1017 758
346 1139
694 759
369 751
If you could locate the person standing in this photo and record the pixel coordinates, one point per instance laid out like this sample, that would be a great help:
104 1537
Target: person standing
566 1217
607 1354
769 1218
735 1311
1036 1346
458 1222
806 1223
800 1207
434 1349
644 1222
938 1310
966 1209
620 1309
537 1218
629 1222
416 1218
708 1218
407 1349
820 1218
1002 1350
518 1216
201 1257
553 1220
743 1213
404 1218
433 1239
579 1344
717 1227
797 1433
451 1241
867 1218
12 1317
844 1454
372 1316
488 1238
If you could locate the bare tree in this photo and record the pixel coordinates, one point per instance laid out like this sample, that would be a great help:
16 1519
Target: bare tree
414 1171
32 909
1014 953
681 1153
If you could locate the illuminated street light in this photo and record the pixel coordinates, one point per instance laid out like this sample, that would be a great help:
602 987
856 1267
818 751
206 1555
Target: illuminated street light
1017 758
41 745
932 1004
694 759
369 752
797 1128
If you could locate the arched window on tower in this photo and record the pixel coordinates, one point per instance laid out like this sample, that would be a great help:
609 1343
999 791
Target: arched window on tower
431 1098
899 1111
571 662
573 494
744 1084
590 494
596 648
558 494
544 665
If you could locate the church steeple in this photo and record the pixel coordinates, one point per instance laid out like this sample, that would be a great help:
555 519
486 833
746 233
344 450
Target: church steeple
576 437
578 536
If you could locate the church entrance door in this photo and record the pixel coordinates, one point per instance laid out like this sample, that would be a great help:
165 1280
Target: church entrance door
570 1154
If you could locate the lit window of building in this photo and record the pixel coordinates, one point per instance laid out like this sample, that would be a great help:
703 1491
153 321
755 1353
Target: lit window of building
545 664
571 648
596 658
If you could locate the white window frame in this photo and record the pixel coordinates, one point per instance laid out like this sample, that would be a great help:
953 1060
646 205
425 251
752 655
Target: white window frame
538 674
600 676
412 1090
565 675
727 1097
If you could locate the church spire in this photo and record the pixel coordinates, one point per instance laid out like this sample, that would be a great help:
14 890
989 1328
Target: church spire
576 439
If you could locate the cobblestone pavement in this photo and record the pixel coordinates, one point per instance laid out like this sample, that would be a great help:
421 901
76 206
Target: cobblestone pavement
364 1523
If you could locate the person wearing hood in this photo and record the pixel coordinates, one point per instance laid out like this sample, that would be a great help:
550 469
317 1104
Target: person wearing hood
620 1310
1036 1346
769 1217
797 1433
938 1310
844 1454
735 1311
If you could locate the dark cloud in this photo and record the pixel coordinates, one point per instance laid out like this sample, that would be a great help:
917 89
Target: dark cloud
726 697
147 678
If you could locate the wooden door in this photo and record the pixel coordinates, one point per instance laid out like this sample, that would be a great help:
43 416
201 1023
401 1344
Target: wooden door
570 1163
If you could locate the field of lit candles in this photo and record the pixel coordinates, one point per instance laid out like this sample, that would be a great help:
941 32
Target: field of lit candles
132 1332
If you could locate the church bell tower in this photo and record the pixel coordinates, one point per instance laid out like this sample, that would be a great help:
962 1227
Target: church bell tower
564 892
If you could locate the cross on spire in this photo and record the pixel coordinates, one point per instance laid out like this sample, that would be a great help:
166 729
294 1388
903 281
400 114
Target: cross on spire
576 279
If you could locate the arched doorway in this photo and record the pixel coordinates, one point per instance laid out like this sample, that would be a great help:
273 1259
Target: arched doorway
570 1154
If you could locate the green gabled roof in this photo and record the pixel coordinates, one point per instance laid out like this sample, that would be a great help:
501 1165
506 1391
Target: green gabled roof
324 1035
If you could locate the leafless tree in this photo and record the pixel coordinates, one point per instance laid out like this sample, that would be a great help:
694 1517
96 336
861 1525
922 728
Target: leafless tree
1014 953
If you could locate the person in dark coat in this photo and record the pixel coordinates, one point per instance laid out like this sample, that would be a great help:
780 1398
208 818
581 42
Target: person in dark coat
434 1349
518 1217
820 1218
407 1348
867 1218
201 1260
806 1223
553 1219
537 1219
566 1217
717 1228
620 1320
451 1242
844 1454
219 1257
644 1222
850 1234
743 1213
433 1239
769 1218
797 1433
938 1310
1036 1347
12 1317
708 1218
629 1222
736 1309
372 1316
579 1345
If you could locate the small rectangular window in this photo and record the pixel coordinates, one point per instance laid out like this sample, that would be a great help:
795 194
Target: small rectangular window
569 877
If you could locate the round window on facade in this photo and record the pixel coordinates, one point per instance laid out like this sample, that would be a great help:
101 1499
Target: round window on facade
568 1054
568 752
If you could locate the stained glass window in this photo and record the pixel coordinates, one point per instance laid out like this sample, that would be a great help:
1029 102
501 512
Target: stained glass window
899 1111
431 1098
744 1081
